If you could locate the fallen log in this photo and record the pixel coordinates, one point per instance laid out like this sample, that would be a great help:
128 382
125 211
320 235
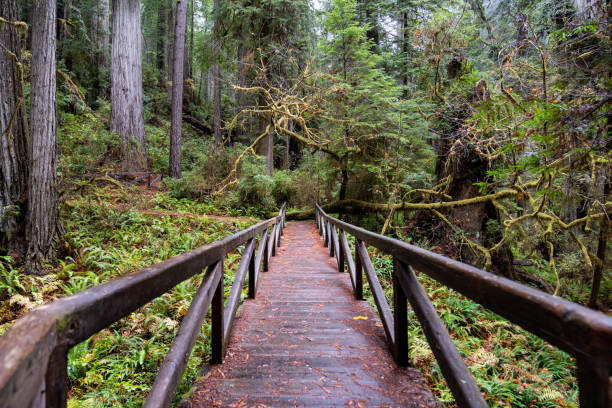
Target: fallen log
197 124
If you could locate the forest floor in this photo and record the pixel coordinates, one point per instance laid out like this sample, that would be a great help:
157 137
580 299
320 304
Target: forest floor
113 229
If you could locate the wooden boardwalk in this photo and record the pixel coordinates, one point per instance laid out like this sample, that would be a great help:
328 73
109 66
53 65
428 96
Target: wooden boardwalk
305 341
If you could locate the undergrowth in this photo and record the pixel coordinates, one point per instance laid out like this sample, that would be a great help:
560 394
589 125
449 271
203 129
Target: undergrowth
512 367
110 231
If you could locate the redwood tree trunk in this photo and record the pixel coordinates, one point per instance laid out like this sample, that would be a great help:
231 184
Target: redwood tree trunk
101 32
162 20
216 72
127 117
605 234
176 141
13 135
270 150
170 24
42 206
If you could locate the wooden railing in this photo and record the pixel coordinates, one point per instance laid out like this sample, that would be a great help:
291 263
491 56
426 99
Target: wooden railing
33 352
581 332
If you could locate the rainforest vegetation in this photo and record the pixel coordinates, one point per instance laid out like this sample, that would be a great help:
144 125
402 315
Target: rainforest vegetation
132 131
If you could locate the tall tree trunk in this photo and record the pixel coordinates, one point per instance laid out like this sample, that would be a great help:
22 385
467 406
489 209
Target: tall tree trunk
169 46
270 149
605 225
217 83
13 135
404 64
604 236
191 38
369 15
42 205
162 21
176 141
101 33
127 116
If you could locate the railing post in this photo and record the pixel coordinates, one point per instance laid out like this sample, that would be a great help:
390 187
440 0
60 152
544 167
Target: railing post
341 255
266 257
273 238
252 275
325 233
594 383
400 319
56 379
283 214
358 272
332 232
217 312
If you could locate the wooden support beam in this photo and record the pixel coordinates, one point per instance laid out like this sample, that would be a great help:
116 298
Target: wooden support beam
217 343
384 311
171 371
456 373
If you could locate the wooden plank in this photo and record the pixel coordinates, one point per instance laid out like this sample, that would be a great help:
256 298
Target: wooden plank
358 272
336 245
93 309
595 383
349 260
252 290
261 250
400 319
341 251
266 251
217 340
272 242
256 261
234 297
171 371
456 373
279 229
384 310
26 349
325 233
56 379
573 328
306 349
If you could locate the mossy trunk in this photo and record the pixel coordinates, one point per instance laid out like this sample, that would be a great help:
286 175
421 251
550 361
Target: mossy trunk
176 137
127 115
13 136
43 220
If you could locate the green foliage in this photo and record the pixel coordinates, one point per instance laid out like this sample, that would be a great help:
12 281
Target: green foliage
511 366
117 366
11 282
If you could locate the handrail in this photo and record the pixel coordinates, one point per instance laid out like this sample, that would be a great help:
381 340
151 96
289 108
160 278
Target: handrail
584 333
33 352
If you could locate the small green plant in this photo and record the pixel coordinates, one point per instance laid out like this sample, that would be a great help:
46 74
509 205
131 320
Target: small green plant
11 281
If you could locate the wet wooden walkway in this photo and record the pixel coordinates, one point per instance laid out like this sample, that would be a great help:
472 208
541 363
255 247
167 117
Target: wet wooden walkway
305 341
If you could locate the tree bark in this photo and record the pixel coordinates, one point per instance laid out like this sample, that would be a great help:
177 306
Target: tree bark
101 33
13 135
42 206
127 116
176 140
169 46
191 38
605 234
216 72
405 54
162 21
270 150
